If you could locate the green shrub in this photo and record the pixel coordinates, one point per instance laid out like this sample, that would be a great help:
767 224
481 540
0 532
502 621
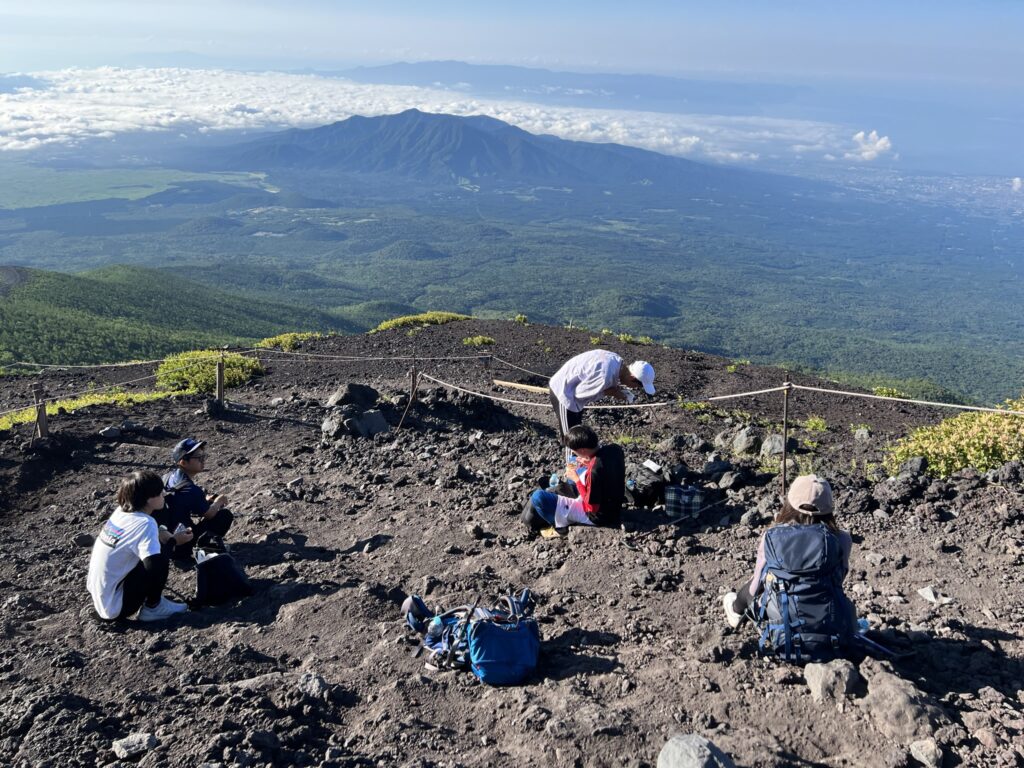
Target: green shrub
815 424
731 368
626 338
197 371
287 341
521 319
595 339
478 341
424 318
888 392
980 440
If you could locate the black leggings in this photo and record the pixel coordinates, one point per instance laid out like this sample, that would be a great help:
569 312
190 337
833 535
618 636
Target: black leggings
743 598
144 584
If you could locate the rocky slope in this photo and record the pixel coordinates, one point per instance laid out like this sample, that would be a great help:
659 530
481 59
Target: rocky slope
335 529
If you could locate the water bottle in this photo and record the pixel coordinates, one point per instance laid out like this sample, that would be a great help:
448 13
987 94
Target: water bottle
863 625
553 480
434 628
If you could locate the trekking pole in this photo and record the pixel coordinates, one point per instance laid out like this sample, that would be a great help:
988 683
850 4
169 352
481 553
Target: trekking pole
785 430
459 632
42 426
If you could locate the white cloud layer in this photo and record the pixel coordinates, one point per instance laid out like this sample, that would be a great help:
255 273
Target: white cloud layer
1017 184
868 147
98 103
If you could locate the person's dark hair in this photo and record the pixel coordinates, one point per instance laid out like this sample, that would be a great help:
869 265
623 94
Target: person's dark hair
138 488
789 514
581 436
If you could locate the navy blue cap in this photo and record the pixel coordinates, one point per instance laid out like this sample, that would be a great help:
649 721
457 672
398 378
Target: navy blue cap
185 447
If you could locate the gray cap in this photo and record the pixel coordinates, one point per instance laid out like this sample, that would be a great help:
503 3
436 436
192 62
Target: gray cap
811 494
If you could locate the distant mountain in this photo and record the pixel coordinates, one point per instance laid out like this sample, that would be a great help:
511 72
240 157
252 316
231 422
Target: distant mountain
446 147
119 313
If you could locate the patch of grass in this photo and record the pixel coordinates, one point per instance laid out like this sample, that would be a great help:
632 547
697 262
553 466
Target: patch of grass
114 397
889 392
692 405
478 341
815 424
732 368
197 371
422 319
521 319
595 339
855 427
980 440
287 341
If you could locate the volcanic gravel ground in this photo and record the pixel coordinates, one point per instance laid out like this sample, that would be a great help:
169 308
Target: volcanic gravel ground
316 668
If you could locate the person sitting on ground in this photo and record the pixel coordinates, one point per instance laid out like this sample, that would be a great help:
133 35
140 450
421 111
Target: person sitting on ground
590 376
188 505
599 480
807 544
127 569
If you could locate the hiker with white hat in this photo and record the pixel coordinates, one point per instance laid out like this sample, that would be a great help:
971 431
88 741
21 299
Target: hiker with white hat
588 377
796 593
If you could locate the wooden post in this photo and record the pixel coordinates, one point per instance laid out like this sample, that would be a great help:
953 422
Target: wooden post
413 382
220 380
785 431
42 426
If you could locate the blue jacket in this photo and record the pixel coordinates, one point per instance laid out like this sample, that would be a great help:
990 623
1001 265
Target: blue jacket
186 498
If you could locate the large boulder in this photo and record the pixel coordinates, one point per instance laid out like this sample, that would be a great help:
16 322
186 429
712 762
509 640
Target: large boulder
354 394
134 745
746 442
688 750
832 681
772 446
367 424
896 706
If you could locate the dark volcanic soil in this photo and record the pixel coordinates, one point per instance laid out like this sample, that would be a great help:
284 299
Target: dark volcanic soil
315 669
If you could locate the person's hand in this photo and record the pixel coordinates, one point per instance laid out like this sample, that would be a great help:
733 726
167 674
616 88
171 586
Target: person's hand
571 474
629 397
218 504
164 535
183 538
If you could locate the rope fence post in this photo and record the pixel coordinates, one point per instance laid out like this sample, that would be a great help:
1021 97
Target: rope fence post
220 380
413 384
42 425
785 431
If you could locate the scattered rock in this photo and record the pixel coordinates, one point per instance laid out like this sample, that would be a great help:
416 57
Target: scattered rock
932 595
277 401
831 681
927 752
314 686
861 434
111 433
134 744
746 442
367 424
692 751
83 540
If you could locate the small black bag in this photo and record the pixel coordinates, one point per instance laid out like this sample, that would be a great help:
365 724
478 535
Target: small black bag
219 579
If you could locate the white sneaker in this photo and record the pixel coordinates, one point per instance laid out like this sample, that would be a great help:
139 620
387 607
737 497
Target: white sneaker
162 610
729 604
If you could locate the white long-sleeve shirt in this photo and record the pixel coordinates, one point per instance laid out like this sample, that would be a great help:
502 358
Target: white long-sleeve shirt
583 378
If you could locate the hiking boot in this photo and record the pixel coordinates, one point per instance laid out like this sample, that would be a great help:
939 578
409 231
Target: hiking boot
554 533
729 604
162 610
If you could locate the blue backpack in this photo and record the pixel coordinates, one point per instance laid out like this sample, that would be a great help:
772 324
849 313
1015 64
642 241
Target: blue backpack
500 645
801 609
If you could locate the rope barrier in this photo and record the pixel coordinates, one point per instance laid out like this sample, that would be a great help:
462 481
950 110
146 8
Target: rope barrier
745 394
352 358
520 368
481 394
906 400
129 364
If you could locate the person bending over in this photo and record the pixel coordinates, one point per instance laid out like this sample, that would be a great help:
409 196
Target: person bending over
127 569
599 479
188 505
590 376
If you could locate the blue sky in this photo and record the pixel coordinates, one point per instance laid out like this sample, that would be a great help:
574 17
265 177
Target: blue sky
968 42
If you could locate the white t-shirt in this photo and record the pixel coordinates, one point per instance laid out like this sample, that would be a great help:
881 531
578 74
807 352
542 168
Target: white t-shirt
125 540
583 378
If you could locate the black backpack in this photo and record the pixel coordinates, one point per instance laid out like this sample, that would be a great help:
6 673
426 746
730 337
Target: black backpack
801 609
219 579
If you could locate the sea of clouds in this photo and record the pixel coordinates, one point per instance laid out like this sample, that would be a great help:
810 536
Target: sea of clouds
72 105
